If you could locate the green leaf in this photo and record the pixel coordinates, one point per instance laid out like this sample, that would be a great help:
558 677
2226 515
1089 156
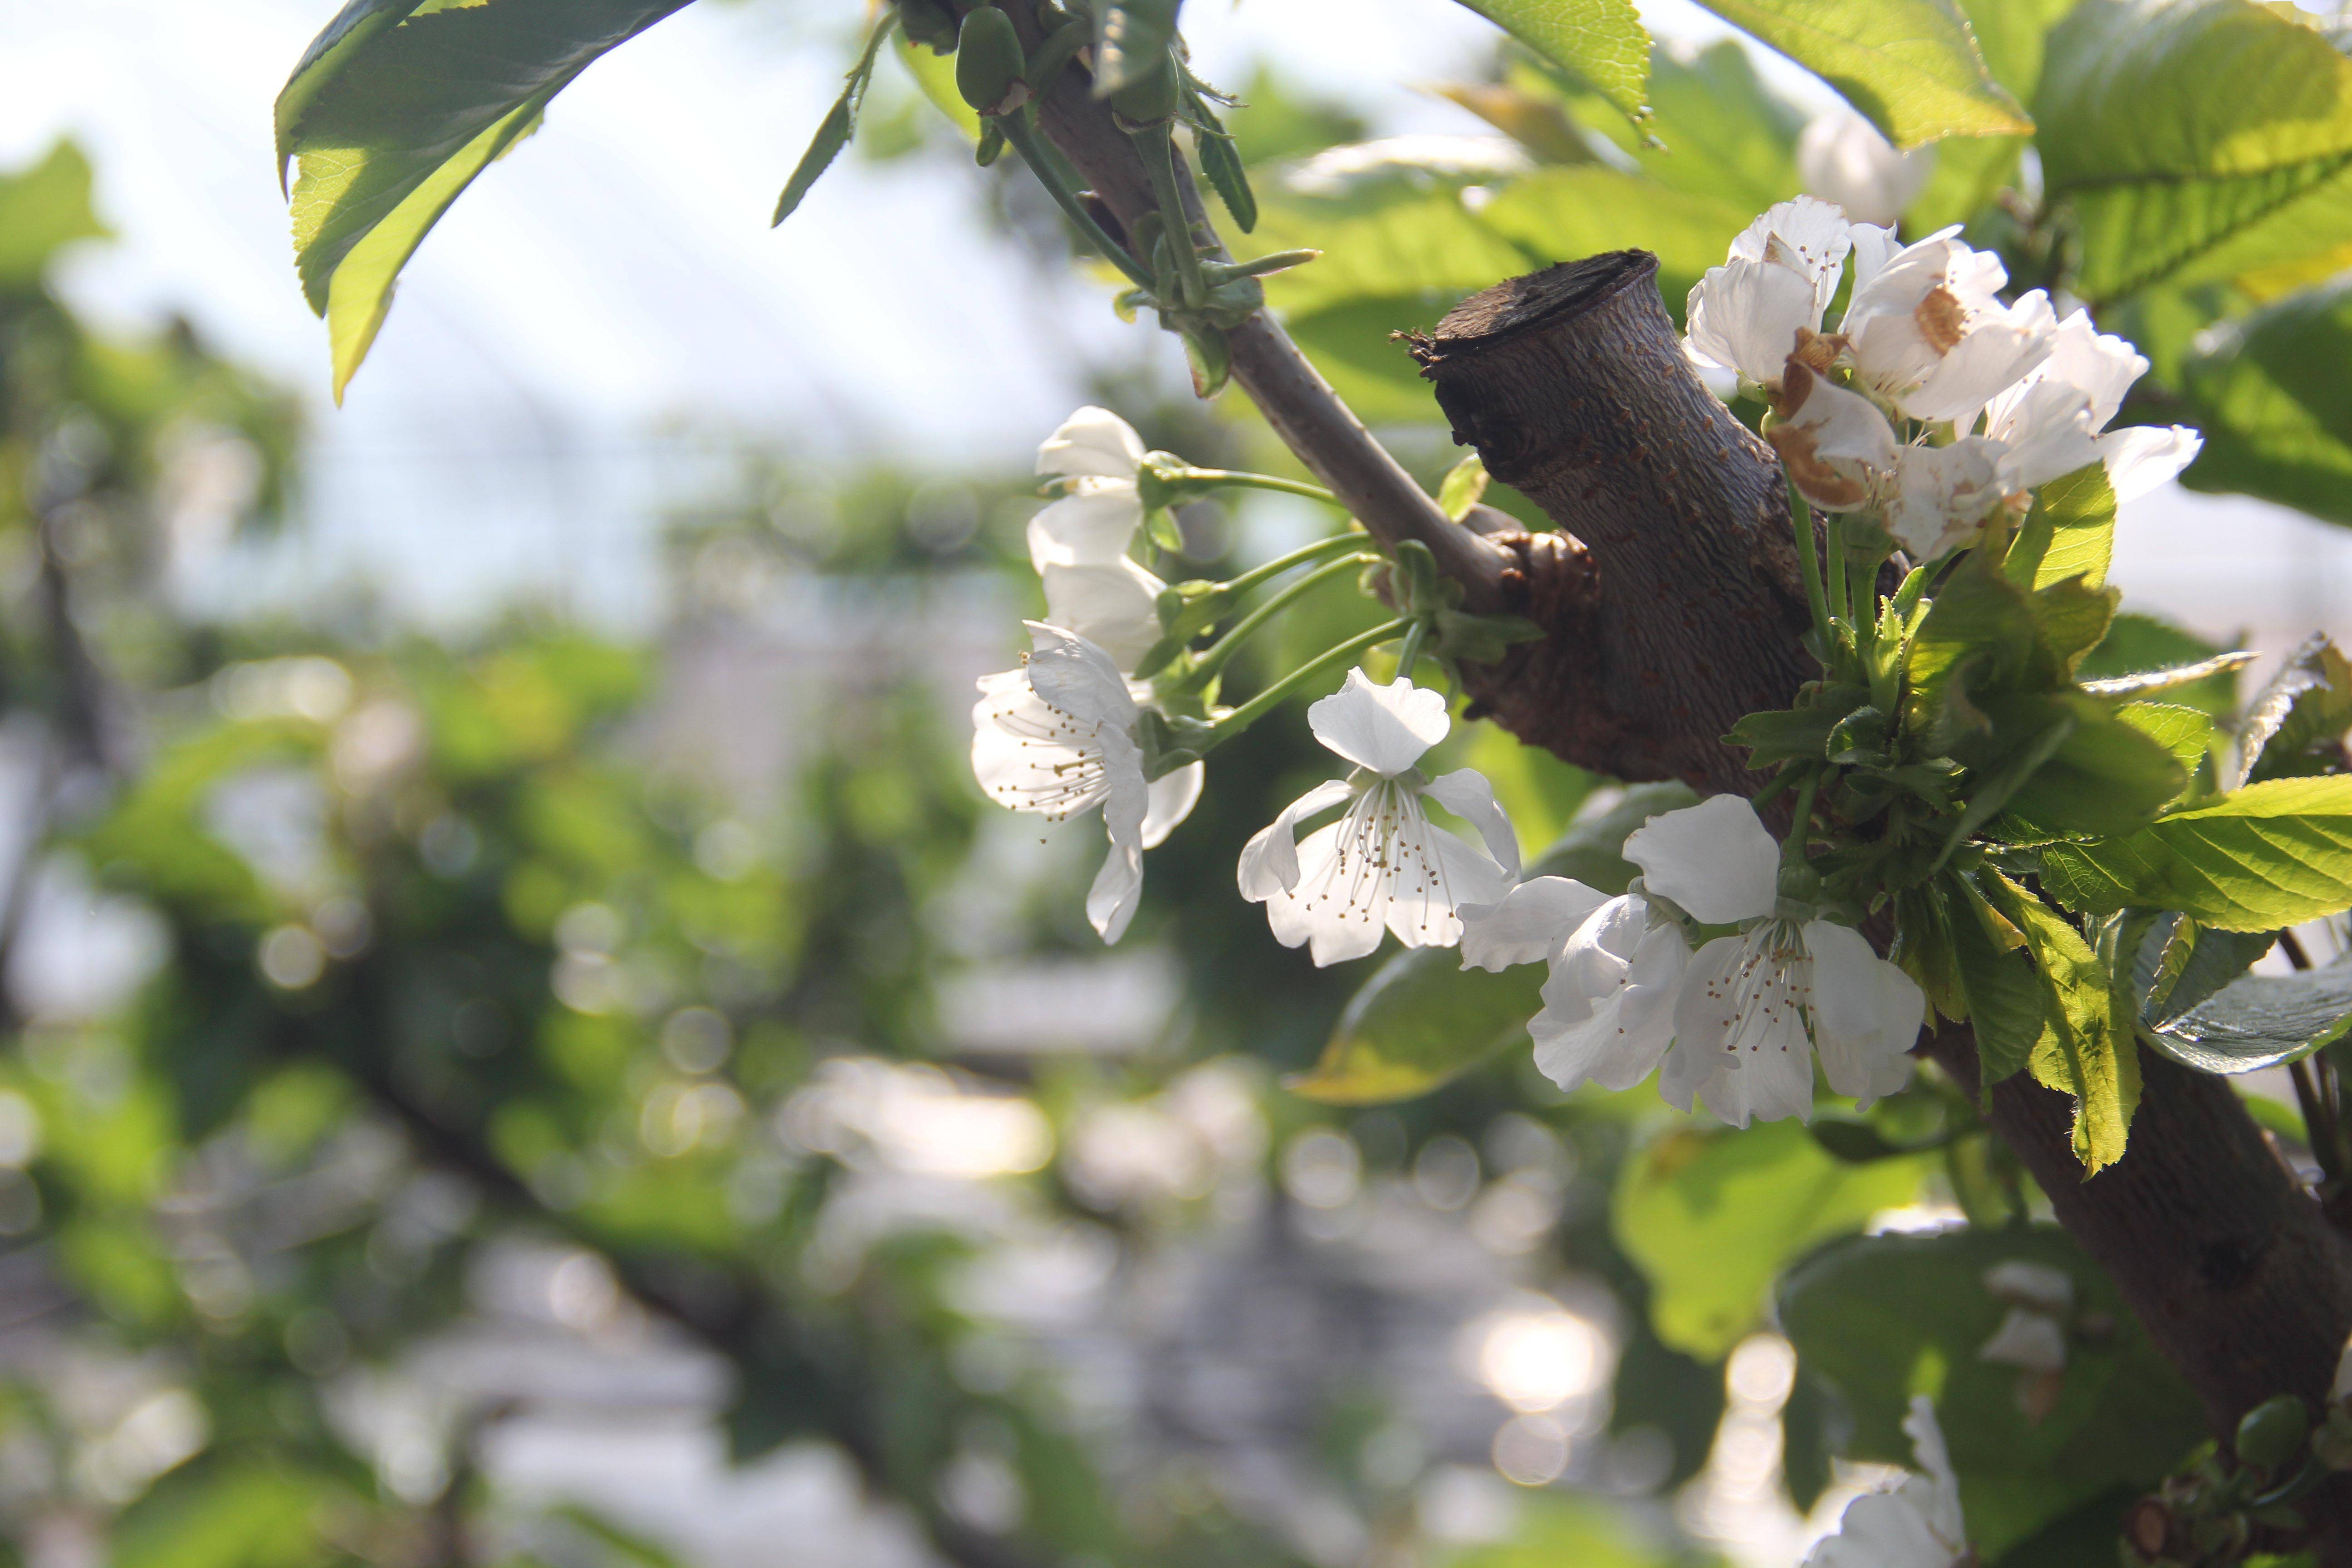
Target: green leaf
1465 485
393 112
1909 66
2070 533
1222 162
2106 774
2270 394
2296 727
1971 173
1602 41
1715 130
2181 964
2188 733
2084 1054
1565 214
1422 1018
1784 735
2194 138
1712 1216
2006 1001
2139 645
1883 1318
2270 855
833 132
42 206
2261 1020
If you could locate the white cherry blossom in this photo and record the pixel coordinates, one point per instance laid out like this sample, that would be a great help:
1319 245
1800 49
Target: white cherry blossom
1753 1009
1926 330
1918 1524
1843 456
1381 865
1113 606
2055 420
1096 454
1057 738
1747 314
1841 158
1615 967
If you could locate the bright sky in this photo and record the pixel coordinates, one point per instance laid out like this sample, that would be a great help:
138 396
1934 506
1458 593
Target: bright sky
613 284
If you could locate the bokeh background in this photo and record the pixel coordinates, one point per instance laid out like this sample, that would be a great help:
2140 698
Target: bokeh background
527 1045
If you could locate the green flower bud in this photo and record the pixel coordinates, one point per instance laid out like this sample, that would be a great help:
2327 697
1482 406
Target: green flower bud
2272 1432
1151 98
989 63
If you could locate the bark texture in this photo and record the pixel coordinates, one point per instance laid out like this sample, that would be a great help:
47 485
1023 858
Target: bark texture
1677 580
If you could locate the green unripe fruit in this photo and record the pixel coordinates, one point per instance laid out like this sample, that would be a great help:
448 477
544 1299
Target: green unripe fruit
989 63
1149 98
929 22
2272 1432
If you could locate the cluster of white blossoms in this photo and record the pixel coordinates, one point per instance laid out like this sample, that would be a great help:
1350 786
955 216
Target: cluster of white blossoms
1738 1021
1933 403
1703 965
1916 1525
1058 736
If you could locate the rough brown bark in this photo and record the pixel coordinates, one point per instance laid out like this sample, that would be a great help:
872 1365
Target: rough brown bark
1684 595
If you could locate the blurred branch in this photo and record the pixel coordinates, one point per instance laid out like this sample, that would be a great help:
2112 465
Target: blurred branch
740 1318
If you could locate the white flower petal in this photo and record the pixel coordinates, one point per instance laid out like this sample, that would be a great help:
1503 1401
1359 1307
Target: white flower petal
1942 493
1317 912
1074 673
1841 158
1866 1013
1116 608
2046 431
1999 350
1439 872
1808 236
1608 1014
2102 365
1091 526
1092 441
1168 800
2028 1340
1531 923
1715 859
2035 1285
2139 458
1269 864
1874 246
1744 315
1383 728
1467 794
1839 449
1739 1031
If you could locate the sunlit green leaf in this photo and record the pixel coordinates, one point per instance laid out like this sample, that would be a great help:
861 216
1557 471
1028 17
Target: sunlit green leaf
2084 1054
2271 854
1910 66
2194 138
1602 41
395 111
1714 1216
44 206
2270 394
2296 727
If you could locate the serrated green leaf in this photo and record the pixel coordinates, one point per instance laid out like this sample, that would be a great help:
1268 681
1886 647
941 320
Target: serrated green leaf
2268 856
2106 775
395 109
2006 1002
1971 173
1565 214
2082 1054
2070 533
1422 1018
840 123
2270 394
2188 733
2261 1020
1602 41
2181 964
2194 139
1464 487
1883 1318
1222 165
1712 1216
2296 727
1910 67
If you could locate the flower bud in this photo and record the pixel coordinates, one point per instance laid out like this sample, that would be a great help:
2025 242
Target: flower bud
2272 1432
1150 97
989 63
